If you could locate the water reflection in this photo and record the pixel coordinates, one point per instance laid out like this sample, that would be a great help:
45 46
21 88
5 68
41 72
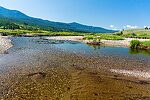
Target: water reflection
131 51
95 47
47 41
41 44
51 41
139 51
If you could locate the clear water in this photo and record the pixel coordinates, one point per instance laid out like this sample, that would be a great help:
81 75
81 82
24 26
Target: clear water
82 48
28 50
39 44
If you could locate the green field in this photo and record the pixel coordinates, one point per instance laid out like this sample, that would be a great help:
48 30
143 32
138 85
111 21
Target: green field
136 33
48 33
40 32
104 37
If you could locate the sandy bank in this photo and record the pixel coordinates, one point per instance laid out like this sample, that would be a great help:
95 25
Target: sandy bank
71 38
133 73
122 43
5 43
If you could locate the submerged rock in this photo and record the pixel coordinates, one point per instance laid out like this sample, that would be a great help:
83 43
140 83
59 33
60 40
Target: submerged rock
94 43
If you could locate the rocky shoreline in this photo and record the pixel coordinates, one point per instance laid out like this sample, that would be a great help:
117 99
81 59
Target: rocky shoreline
5 43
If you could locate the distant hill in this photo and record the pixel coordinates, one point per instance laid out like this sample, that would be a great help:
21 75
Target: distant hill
16 19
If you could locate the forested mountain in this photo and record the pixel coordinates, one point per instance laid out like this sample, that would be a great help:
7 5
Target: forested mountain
13 19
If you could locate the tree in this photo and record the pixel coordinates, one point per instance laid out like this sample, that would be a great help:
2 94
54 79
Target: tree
146 28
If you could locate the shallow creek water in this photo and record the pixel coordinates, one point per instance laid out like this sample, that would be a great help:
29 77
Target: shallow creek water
37 68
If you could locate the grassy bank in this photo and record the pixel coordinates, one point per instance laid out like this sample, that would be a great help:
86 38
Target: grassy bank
136 44
104 36
40 32
136 33
48 33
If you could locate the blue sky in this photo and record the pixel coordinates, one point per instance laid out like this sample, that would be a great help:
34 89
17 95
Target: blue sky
113 14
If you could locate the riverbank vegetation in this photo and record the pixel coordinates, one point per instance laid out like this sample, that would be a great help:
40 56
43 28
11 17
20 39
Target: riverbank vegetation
104 37
136 44
18 32
135 33
92 38
139 51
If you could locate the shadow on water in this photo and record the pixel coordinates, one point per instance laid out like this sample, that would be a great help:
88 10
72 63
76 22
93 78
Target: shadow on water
51 41
46 41
139 51
130 51
95 47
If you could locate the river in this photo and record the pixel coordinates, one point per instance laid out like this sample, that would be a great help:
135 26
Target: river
37 68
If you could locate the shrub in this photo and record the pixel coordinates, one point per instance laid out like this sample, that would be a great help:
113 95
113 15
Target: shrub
134 34
93 38
134 44
119 33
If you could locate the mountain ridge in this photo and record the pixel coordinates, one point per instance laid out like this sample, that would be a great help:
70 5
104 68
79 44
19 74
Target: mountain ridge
17 16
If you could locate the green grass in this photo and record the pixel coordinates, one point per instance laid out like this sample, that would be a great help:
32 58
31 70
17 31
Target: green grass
41 32
110 37
104 36
89 37
15 32
92 38
136 44
135 33
146 43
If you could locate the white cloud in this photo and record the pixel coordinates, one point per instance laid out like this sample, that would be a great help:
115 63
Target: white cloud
112 26
130 26
146 26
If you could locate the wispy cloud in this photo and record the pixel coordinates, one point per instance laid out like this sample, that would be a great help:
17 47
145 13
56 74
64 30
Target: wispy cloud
146 26
130 26
113 27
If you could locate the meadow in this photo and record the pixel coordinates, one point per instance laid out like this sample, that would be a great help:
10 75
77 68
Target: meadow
136 33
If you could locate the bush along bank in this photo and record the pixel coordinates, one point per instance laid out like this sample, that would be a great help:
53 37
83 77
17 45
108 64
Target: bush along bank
136 44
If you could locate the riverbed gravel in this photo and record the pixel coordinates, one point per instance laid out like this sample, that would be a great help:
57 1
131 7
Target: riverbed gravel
5 43
35 73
